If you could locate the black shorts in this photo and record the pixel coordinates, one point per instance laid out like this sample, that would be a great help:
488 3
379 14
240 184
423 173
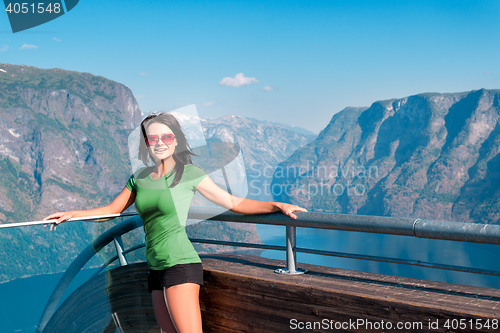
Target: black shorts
177 274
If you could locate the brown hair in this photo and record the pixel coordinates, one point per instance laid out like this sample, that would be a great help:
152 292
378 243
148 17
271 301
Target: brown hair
183 152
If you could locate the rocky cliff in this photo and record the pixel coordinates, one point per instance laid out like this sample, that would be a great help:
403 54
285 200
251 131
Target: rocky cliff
263 147
63 146
433 156
63 135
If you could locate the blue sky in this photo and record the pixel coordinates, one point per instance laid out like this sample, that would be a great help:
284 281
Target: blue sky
308 59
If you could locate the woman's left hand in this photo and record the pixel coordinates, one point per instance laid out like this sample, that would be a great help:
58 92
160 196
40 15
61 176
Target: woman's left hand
288 209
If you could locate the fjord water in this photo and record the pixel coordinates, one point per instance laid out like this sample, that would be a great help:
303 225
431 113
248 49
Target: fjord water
484 256
24 299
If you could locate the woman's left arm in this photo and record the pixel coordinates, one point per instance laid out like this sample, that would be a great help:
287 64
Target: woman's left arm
214 193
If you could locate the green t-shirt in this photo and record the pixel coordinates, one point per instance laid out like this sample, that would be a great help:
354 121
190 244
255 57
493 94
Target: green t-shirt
164 212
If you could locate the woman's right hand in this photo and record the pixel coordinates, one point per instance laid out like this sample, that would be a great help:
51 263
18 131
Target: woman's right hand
123 201
59 217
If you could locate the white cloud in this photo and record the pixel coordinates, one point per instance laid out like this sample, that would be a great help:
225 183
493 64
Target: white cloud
139 97
56 39
4 48
28 46
268 88
237 81
144 73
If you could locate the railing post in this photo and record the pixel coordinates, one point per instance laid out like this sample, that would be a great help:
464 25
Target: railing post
291 260
119 251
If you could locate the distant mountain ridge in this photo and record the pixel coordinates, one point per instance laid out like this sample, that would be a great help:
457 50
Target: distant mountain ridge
264 145
432 155
310 135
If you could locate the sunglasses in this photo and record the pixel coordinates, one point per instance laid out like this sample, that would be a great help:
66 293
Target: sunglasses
152 140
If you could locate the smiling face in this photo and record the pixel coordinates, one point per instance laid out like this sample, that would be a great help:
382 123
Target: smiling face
160 151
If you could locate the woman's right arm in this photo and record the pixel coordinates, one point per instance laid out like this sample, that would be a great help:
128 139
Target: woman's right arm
123 201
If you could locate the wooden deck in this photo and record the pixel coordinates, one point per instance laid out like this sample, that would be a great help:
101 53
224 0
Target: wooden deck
247 296
243 294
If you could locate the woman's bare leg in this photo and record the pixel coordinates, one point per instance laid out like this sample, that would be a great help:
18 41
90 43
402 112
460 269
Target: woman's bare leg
161 312
183 308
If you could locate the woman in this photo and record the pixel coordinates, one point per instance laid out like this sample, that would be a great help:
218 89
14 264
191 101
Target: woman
162 194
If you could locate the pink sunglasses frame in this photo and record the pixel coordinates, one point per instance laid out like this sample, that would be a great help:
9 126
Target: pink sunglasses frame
170 137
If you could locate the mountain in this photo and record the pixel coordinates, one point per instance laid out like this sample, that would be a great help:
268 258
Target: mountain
309 135
63 134
64 146
433 156
263 145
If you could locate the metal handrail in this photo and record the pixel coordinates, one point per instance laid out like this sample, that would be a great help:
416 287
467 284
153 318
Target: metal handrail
99 218
443 230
